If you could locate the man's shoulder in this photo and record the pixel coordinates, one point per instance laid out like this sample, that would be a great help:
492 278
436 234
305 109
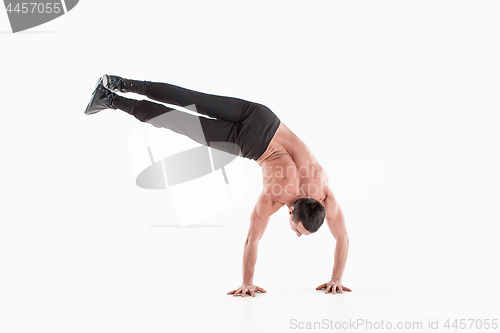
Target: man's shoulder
330 203
269 199
267 205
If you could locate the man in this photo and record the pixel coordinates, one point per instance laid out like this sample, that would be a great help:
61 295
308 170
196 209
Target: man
291 174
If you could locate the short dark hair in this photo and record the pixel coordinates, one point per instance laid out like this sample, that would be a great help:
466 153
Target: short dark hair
310 212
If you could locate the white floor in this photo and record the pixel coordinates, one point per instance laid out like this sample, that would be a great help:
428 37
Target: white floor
210 311
119 274
204 307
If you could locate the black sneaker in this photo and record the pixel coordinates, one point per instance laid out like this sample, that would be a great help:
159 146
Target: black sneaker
114 83
102 99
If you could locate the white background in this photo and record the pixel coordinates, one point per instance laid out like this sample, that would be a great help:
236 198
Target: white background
398 100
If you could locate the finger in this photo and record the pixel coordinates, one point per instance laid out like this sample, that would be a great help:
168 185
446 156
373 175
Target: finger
252 293
327 290
237 292
243 292
345 288
261 290
340 289
321 287
231 292
334 288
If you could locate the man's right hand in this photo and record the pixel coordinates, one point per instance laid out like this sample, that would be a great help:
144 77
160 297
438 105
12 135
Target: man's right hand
247 288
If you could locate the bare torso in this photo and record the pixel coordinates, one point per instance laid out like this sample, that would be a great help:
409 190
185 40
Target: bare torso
290 170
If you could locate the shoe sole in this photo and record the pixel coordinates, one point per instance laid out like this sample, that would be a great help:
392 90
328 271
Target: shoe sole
92 99
105 81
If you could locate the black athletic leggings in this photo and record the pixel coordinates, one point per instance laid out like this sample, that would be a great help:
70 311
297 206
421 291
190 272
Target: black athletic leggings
249 125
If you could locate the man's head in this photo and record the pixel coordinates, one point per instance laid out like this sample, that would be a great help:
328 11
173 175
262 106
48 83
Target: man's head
306 216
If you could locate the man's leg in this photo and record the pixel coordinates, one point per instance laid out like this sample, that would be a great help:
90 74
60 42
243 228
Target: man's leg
199 129
230 109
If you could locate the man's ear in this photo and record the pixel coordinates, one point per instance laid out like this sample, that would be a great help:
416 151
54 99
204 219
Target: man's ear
290 210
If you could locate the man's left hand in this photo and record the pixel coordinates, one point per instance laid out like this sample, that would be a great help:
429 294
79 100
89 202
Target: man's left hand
333 285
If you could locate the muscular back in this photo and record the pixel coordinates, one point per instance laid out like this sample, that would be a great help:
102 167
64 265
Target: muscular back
290 170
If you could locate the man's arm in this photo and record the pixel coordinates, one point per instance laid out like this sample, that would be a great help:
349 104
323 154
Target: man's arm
335 220
259 220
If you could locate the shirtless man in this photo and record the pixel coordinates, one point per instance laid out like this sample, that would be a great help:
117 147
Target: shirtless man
291 174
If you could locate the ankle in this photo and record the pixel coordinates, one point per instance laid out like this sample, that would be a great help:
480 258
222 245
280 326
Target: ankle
138 87
124 104
111 96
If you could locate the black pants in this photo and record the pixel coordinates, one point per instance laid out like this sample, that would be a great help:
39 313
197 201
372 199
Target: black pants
249 126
